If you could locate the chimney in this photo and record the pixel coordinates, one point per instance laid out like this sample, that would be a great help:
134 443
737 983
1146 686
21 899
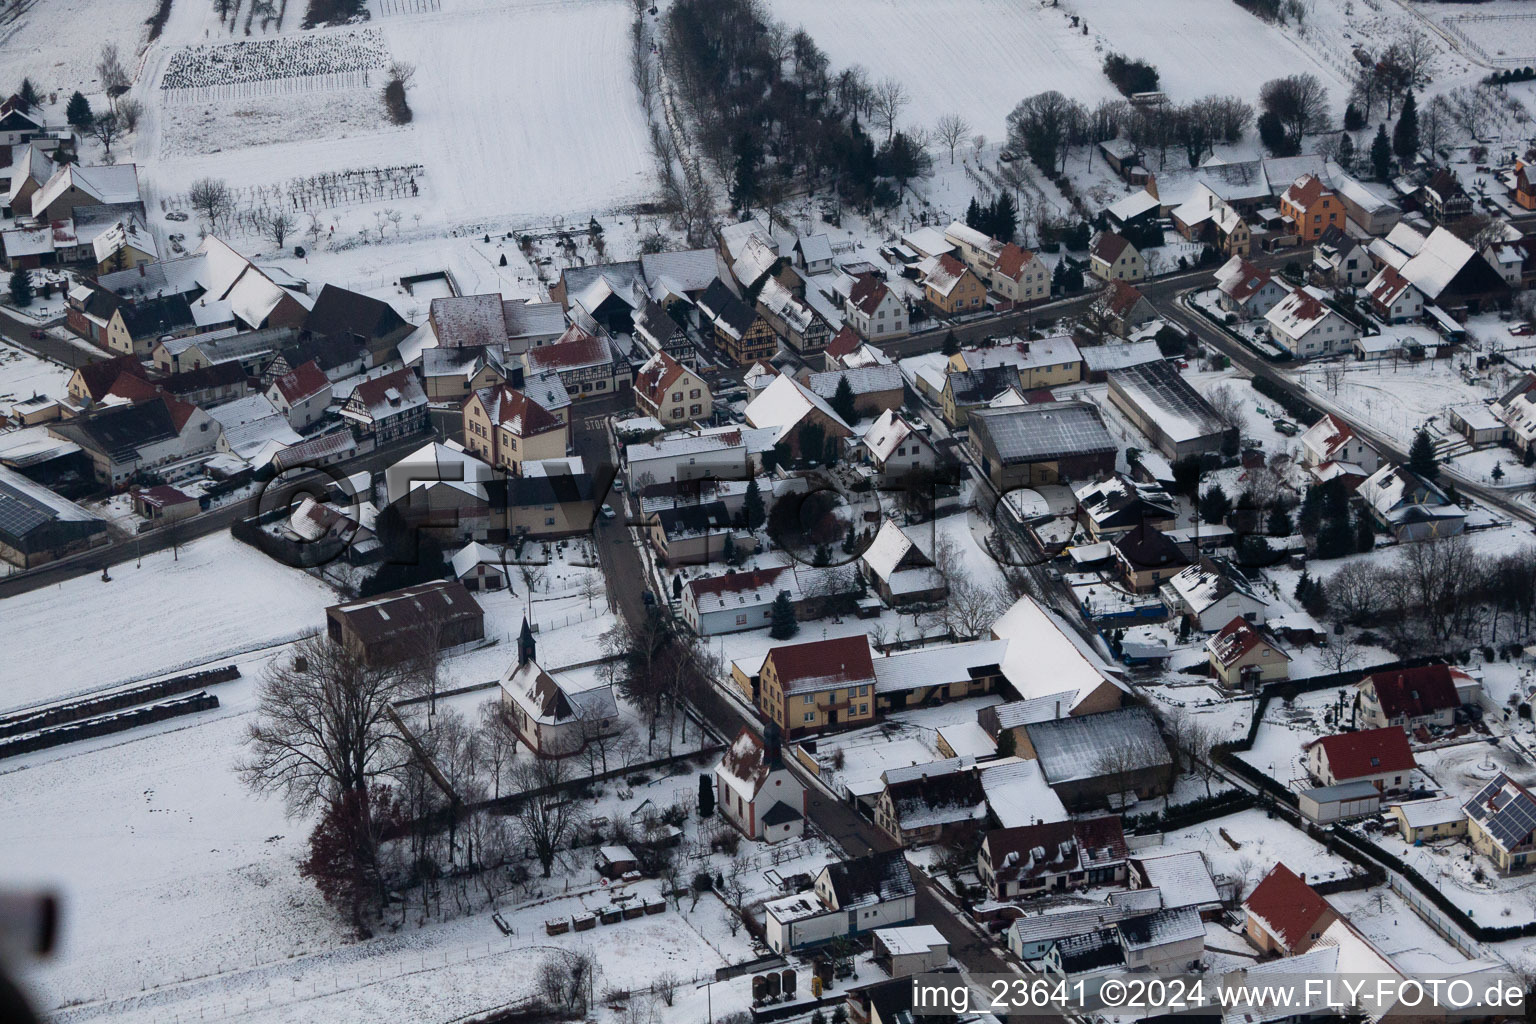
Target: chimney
1302 875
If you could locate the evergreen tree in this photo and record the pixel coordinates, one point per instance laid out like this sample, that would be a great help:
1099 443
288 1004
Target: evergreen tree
1279 524
1421 456
843 402
752 505
1214 505
1498 473
784 625
1006 743
821 557
1302 586
1346 150
78 111
21 288
1354 120
729 551
677 582
951 344
851 541
1405 137
1450 493
831 451
973 215
706 798
749 158
28 94
1005 218
1336 538
1381 154
1311 515
1365 533
1272 134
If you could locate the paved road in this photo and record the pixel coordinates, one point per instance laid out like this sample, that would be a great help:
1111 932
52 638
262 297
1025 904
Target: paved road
1389 445
19 333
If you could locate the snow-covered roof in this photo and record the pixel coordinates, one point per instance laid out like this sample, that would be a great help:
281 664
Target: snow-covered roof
118 183
1299 312
1058 349
1019 794
1132 206
129 231
889 432
911 940
734 237
1073 749
1439 259
929 241
1044 657
472 554
26 505
784 403
1437 810
1162 928
815 248
864 380
1117 355
1202 586
938 665
1182 876
890 546
1166 398
961 233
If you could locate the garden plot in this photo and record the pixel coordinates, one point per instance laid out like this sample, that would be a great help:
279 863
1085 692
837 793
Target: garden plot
1246 844
264 67
194 129
1286 727
1468 879
213 599
1395 400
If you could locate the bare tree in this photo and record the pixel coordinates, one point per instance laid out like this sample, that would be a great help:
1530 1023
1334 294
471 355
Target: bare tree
402 72
665 986
109 68
951 129
971 607
1341 653
890 98
276 225
211 198
322 726
498 745
545 817
129 111
1416 53
1299 101
105 129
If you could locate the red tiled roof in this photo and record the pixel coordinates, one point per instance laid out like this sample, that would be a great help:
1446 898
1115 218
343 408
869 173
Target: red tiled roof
1108 246
1250 281
98 377
867 293
301 382
1012 261
1305 191
1417 691
732 582
521 414
1342 432
575 347
1353 755
656 376
1123 297
1390 287
131 387
1236 639
836 662
372 392
180 411
1287 907
843 343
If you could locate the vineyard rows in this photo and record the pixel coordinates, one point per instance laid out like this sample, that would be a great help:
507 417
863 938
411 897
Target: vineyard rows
287 57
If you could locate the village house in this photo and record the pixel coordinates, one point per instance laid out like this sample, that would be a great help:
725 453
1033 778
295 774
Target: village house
1246 290
209 386
1312 206
507 428
1516 409
1112 257
1040 363
90 382
899 570
670 392
1413 698
1331 440
1306 326
1020 277
915 949
1206 217
874 310
1378 756
1045 443
1446 270
1165 407
157 434
303 394
1209 595
818 685
813 254
479 568
1051 670
740 600
341 319
1028 860
756 792
1147 557
696 534
660 333
1478 423
1501 824
1284 914
1245 656
978 250
896 449
741 334
583 360
929 803
848 351
1445 200
127 327
951 288
929 676
548 500
1392 298
850 897
1410 507
389 628
966 390
387 407
1112 758
552 718
1339 260
1126 308
792 409
803 329
730 452
1109 508
876 389
222 287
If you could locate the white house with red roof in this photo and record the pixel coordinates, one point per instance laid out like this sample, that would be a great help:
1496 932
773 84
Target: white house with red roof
1247 290
1020 276
874 310
894 447
1413 698
756 792
1112 257
387 407
1306 326
302 394
670 392
1284 914
1330 439
1245 655
583 360
1381 757
1393 297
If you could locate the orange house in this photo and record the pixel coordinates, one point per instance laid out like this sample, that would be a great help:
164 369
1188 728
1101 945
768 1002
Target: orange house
1313 207
950 287
1525 185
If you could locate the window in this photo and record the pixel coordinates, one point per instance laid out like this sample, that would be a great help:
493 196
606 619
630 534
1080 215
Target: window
863 709
810 716
677 396
549 520
741 620
807 699
694 393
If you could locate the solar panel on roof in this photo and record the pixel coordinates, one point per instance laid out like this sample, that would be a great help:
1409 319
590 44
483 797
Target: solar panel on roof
20 513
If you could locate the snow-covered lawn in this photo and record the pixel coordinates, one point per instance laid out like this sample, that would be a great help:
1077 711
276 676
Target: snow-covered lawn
1260 841
215 599
43 42
1395 400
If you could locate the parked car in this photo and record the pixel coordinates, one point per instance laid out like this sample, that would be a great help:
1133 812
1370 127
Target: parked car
1287 428
608 512
1522 330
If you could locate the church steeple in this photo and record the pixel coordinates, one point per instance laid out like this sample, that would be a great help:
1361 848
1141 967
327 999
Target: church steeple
525 652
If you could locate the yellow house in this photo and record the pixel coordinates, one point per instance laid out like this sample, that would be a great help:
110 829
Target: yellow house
1112 257
670 392
951 287
1438 817
816 686
1245 656
1501 823
506 428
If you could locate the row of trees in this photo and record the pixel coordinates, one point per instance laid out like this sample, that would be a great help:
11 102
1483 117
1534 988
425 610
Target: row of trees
1048 125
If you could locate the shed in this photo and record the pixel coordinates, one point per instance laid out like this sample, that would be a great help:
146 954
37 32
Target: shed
615 861
1327 804
914 949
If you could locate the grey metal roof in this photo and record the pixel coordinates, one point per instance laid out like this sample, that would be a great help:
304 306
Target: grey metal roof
1167 399
1047 430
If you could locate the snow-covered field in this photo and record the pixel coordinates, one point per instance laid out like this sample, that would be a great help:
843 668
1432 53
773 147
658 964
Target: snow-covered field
43 42
215 599
1396 400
